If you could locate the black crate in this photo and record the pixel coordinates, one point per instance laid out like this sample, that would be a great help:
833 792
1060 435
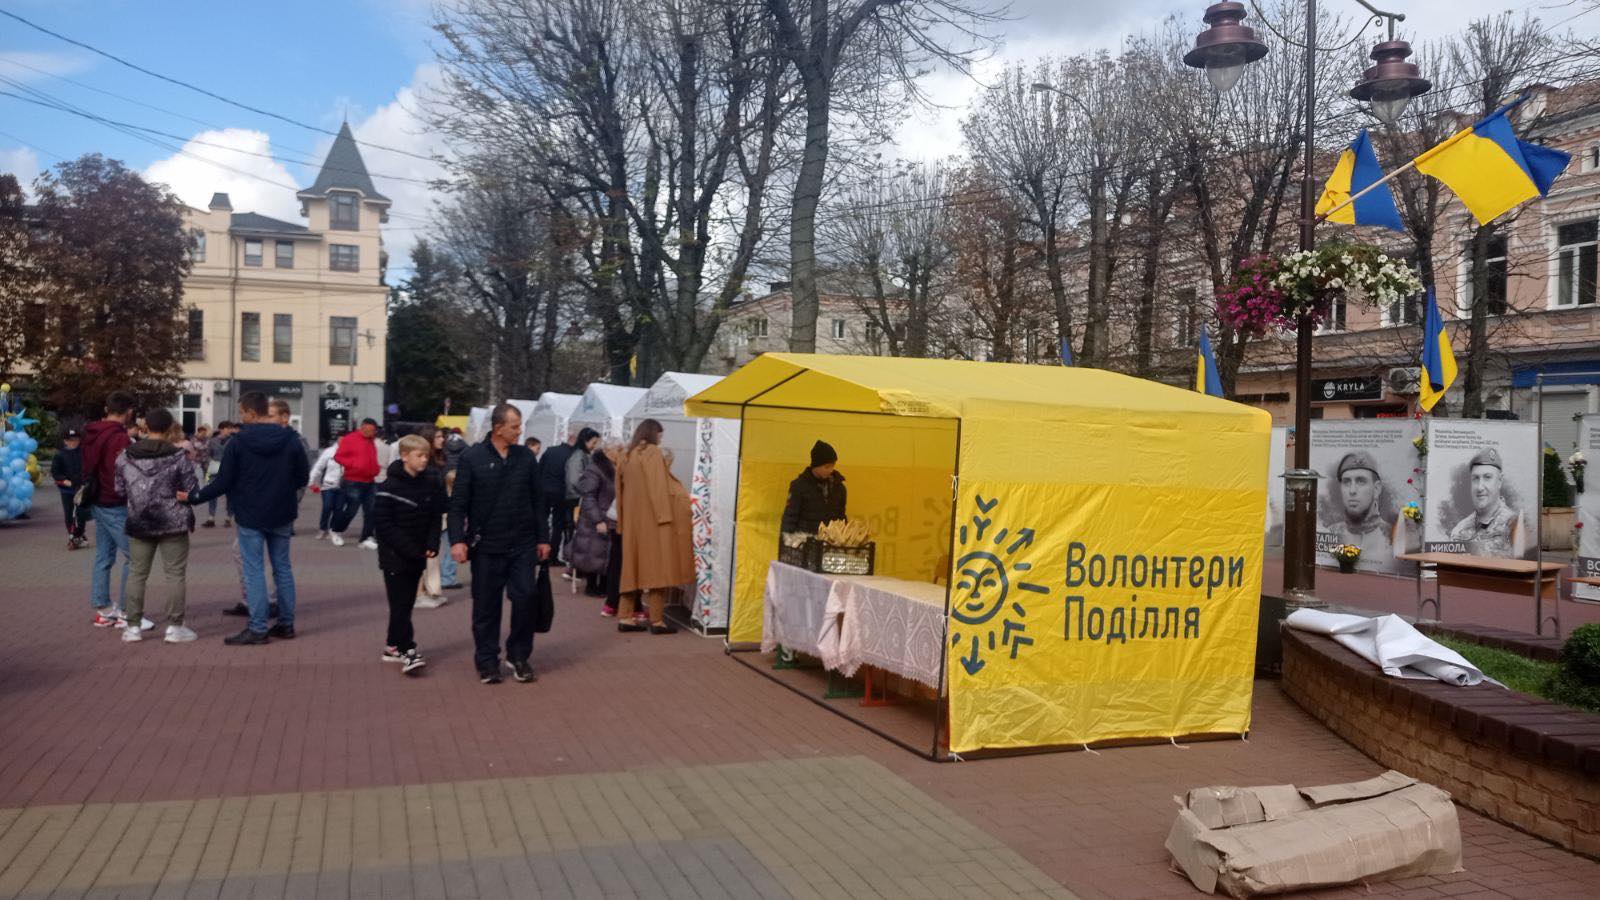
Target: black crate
830 559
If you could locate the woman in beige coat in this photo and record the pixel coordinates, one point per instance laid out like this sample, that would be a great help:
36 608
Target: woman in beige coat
654 555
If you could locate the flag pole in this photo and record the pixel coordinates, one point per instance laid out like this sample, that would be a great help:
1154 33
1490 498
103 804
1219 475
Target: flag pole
1366 190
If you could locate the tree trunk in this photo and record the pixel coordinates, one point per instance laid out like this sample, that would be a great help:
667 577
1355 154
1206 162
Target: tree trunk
1477 326
1094 325
803 215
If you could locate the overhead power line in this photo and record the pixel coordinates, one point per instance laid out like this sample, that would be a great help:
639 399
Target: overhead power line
200 90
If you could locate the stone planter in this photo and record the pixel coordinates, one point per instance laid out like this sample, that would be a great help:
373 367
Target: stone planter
1346 566
1555 527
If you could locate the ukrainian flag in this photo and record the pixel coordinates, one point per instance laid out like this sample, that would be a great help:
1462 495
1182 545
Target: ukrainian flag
1205 368
1356 171
1438 360
1491 171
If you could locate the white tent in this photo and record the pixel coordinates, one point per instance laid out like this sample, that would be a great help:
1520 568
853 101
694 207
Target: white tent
547 419
477 424
705 457
604 408
526 407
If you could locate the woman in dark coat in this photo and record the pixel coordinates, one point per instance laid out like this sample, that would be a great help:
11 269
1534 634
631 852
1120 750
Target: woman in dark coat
591 540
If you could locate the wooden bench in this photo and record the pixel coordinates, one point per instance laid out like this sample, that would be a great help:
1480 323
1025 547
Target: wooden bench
1541 580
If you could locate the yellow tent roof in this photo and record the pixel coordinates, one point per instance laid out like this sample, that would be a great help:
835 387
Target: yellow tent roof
944 388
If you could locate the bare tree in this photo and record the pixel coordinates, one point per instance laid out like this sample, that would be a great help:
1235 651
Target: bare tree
837 44
994 272
890 237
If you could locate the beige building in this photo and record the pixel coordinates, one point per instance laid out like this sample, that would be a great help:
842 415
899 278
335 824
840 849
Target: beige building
296 310
757 325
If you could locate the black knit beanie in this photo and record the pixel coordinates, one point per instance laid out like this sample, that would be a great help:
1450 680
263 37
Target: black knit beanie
822 454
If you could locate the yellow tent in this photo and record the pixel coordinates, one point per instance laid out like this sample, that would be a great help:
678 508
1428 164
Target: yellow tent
451 422
1104 532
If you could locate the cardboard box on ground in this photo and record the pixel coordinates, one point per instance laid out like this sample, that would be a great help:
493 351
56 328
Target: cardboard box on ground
1279 838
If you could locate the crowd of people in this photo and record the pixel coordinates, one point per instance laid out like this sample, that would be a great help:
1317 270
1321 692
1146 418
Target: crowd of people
610 515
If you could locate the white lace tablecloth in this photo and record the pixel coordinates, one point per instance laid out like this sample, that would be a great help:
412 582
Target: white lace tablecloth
896 625
849 621
798 614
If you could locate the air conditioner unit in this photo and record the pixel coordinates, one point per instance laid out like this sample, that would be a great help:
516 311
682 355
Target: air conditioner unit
1405 380
330 387
221 387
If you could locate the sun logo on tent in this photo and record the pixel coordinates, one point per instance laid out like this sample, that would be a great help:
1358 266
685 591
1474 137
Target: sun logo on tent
983 598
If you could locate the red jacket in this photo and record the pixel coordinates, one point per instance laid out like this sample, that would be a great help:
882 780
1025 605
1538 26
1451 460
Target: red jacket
103 442
359 456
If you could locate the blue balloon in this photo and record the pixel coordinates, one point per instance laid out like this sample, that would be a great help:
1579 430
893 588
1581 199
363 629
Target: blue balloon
29 445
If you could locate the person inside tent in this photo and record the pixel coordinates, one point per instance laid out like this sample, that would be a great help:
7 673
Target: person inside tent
817 495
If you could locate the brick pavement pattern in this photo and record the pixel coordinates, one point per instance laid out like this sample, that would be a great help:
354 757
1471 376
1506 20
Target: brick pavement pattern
309 768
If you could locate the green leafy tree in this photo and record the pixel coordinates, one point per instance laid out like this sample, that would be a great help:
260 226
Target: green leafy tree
113 254
1557 492
18 276
428 361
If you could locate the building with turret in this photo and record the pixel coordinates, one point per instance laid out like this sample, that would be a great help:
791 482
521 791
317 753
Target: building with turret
293 309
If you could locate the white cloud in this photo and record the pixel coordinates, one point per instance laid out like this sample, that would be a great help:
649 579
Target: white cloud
401 177
234 161
23 163
27 65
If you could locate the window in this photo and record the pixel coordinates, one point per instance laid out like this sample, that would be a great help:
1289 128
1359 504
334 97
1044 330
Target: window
286 254
1495 264
282 337
1406 310
1591 159
197 247
71 333
874 334
344 258
250 337
1335 320
252 252
197 334
1183 316
758 327
342 341
838 329
1576 261
344 212
189 412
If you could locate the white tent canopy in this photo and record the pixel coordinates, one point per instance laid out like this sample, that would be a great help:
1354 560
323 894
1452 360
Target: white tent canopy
705 457
664 403
477 424
604 407
547 419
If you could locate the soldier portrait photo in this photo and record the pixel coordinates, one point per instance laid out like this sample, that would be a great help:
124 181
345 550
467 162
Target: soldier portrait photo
1494 527
1364 467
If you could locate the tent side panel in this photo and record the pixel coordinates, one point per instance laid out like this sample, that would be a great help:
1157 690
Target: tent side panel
897 477
1106 583
712 488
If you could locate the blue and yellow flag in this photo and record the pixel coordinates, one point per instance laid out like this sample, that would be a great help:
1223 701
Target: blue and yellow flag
1491 171
1066 352
1206 378
1356 171
1438 359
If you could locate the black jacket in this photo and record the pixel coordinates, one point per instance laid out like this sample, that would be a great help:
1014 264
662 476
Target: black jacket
263 468
812 502
406 517
553 464
67 466
454 446
497 501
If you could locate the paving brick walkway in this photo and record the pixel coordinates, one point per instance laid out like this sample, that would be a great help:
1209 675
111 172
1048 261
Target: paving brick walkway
651 766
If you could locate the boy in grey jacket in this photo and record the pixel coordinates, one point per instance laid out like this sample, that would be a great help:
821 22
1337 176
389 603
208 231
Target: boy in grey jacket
150 473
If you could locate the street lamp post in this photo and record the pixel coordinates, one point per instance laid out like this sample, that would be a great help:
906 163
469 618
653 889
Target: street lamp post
1223 50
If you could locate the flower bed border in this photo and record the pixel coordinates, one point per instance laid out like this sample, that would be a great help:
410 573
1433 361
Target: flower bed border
1532 764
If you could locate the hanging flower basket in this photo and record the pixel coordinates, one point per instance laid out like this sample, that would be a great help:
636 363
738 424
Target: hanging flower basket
1269 294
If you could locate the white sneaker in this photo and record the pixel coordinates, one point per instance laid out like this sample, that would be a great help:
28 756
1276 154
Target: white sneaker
146 624
370 544
426 602
180 634
322 535
336 539
132 635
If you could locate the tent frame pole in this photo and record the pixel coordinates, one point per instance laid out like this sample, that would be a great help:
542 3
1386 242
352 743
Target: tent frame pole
941 701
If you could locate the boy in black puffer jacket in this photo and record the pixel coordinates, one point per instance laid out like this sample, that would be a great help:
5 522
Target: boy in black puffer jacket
406 515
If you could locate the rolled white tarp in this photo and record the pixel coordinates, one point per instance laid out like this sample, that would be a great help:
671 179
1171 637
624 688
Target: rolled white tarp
1392 644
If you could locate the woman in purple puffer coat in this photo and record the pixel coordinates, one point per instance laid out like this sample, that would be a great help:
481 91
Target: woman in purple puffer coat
150 474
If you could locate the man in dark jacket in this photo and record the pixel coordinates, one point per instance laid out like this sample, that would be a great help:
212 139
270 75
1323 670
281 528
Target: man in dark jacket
103 441
454 446
263 468
553 483
406 515
498 521
816 497
66 470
